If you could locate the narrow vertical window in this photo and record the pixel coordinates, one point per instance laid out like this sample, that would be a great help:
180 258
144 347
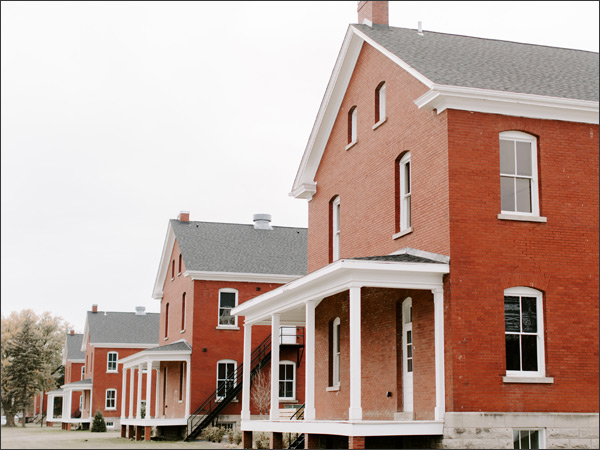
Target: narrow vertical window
111 399
164 399
228 299
181 367
180 264
183 312
335 229
111 361
335 350
518 174
524 332
380 103
352 125
405 193
225 378
166 321
173 269
287 380
82 372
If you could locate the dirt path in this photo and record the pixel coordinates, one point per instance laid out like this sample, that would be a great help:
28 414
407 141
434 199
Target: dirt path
34 436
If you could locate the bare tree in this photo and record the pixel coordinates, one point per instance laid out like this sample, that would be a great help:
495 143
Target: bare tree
261 391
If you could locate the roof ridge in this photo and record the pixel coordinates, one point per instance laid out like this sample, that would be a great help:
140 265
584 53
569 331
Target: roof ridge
479 37
236 223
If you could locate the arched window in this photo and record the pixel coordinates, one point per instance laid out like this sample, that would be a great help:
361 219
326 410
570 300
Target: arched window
524 332
334 355
380 103
405 193
167 321
180 264
335 228
518 174
183 312
228 299
173 269
352 126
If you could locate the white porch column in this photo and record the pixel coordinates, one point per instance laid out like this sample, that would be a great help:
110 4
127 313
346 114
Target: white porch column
123 393
156 413
138 409
355 410
440 387
309 342
275 367
91 398
148 391
69 401
246 372
131 380
188 386
50 408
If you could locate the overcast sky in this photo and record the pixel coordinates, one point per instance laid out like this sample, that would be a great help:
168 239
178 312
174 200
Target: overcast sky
116 116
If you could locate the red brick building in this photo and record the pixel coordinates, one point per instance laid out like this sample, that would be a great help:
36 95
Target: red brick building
108 338
206 270
452 294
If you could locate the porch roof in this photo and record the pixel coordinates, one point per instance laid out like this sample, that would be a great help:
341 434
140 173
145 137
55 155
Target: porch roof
406 269
177 351
78 385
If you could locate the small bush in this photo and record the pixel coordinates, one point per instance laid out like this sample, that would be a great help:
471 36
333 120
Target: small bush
235 437
98 425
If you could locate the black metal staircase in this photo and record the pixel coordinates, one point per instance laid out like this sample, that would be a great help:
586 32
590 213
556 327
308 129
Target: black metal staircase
204 415
299 441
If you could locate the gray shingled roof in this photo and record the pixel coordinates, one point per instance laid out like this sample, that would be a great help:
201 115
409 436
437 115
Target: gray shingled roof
239 248
74 347
175 346
491 64
122 327
399 258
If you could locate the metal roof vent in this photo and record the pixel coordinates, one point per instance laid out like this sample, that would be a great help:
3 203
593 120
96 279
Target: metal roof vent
420 28
262 221
140 310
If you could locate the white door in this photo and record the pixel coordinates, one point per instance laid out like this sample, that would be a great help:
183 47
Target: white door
407 354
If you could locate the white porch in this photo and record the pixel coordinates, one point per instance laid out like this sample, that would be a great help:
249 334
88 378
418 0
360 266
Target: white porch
67 405
147 364
52 396
295 304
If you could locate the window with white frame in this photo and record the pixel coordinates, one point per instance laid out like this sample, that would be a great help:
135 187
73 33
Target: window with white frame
335 229
82 372
405 193
287 380
111 399
352 125
225 377
524 332
380 103
110 424
111 361
228 299
335 351
518 174
524 439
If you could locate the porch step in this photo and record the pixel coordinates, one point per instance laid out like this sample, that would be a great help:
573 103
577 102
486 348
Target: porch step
404 415
286 413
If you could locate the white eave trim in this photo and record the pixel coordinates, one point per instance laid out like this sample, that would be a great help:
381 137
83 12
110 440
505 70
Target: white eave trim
241 277
77 361
442 97
163 267
120 345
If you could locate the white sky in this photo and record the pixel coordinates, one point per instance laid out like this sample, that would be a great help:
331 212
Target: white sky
118 115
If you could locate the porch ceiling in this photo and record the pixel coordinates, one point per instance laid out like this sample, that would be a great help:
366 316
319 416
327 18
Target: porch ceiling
389 271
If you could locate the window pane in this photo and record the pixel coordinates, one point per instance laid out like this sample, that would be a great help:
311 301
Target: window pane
228 299
523 195
230 370
409 337
507 157
529 350
511 313
507 193
289 372
524 158
409 365
409 351
407 177
529 316
534 437
222 371
337 331
525 439
516 439
512 352
225 318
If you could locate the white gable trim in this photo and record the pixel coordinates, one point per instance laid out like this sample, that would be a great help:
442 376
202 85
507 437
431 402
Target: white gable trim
122 345
442 97
163 267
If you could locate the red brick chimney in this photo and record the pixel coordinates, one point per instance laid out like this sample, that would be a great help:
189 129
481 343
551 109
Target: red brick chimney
94 308
72 332
184 216
371 13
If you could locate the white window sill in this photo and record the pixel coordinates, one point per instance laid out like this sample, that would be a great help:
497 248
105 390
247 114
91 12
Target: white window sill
351 144
179 274
287 400
520 218
182 331
110 409
227 327
532 380
332 388
112 371
381 122
172 279
402 233
166 339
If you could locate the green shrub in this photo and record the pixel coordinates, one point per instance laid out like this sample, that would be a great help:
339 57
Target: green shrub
98 425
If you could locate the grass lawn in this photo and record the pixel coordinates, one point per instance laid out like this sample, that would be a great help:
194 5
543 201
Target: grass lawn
34 436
